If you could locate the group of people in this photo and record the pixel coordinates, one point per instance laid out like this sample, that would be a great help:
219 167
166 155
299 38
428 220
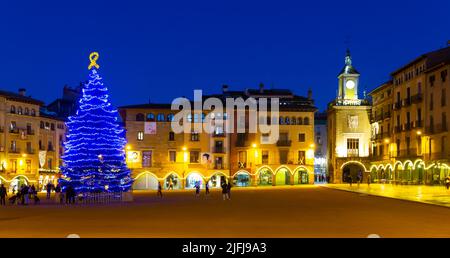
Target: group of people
226 189
23 195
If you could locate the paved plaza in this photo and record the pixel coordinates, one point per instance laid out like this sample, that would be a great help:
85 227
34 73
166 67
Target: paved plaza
290 211
437 195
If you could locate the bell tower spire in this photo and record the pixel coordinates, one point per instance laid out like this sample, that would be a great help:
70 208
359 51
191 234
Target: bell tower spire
348 81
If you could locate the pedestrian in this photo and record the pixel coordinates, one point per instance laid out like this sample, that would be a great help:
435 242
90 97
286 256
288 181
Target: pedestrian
159 193
369 178
224 190
350 180
170 185
197 189
229 191
58 193
447 182
3 194
49 189
25 194
207 189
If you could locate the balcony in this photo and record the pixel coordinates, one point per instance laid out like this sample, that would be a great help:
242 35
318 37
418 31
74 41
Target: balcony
438 128
219 150
418 98
418 124
407 102
407 127
30 132
50 149
14 150
14 130
219 135
242 143
387 114
397 106
284 143
31 151
398 129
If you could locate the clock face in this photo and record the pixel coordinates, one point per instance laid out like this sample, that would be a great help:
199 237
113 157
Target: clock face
350 84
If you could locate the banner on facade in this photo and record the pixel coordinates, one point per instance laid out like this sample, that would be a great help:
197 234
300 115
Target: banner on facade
150 127
42 158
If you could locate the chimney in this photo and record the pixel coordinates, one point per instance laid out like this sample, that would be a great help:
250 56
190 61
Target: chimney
261 87
224 88
310 94
22 91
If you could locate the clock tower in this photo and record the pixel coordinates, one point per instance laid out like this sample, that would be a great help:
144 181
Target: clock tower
348 81
348 129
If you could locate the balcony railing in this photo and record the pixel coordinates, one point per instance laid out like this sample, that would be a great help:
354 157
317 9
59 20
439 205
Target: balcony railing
397 105
407 126
417 98
219 150
30 132
242 143
407 102
418 124
14 150
438 128
50 148
30 151
284 143
14 130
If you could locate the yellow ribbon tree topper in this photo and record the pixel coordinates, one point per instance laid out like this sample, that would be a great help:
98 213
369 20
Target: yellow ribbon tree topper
93 57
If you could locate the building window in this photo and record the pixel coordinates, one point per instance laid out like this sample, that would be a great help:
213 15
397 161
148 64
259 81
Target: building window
301 137
306 121
287 121
242 159
13 110
140 136
170 117
146 159
444 121
140 117
265 157
150 117
33 112
19 110
50 163
301 157
281 120
195 137
50 146
42 125
171 136
160 118
444 75
52 127
28 166
194 156
27 111
294 121
172 156
352 147
432 79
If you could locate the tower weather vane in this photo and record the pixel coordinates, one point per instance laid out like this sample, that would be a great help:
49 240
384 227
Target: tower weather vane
93 57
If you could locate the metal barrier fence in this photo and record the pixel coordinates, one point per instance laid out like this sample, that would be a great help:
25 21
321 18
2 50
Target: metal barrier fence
99 198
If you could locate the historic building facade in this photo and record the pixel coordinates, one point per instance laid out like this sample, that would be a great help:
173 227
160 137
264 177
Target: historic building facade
30 141
180 160
348 129
409 122
320 154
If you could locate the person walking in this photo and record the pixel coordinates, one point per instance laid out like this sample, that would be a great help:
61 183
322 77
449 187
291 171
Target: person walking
207 189
350 180
3 194
224 190
170 185
369 178
197 189
49 189
159 193
58 193
25 194
229 191
447 182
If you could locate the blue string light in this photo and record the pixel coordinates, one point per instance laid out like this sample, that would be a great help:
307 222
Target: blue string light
94 157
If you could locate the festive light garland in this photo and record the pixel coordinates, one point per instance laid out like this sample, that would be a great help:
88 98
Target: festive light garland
94 157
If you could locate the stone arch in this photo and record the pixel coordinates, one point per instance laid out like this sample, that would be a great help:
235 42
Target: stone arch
217 179
352 170
283 176
301 175
241 178
264 176
145 181
193 178
172 181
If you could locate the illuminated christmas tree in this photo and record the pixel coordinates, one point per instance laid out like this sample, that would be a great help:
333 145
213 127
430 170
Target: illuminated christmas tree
94 157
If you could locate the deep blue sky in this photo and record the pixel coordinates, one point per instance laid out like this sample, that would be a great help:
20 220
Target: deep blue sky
165 49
